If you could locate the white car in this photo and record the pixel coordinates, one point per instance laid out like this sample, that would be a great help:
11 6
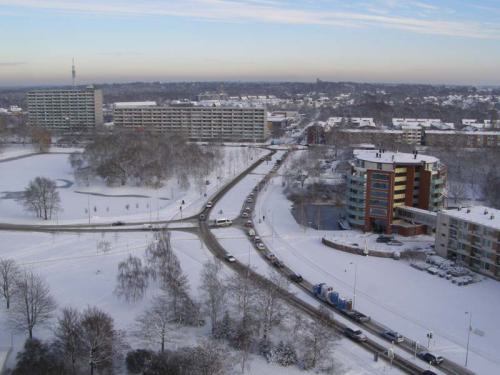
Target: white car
230 258
209 204
261 246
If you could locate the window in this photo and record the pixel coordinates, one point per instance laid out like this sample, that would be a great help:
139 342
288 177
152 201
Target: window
380 185
378 212
380 176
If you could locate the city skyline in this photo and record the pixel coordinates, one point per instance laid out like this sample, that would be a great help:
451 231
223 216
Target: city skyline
436 42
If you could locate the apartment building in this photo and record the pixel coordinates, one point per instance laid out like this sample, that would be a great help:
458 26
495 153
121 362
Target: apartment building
412 134
471 237
65 109
380 181
195 122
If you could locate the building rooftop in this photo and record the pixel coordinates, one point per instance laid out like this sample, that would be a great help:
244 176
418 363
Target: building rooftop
134 104
376 156
487 216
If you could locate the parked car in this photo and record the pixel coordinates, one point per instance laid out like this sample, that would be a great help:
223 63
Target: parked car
428 372
355 334
430 358
117 223
249 223
248 209
202 217
245 214
229 258
209 204
256 239
249 200
148 226
357 316
261 246
296 278
384 238
394 243
393 336
251 233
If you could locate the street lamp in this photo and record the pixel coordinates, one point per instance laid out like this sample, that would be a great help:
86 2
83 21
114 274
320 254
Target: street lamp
355 279
469 329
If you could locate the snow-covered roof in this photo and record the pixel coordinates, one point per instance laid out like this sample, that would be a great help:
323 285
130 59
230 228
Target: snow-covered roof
393 157
486 216
134 104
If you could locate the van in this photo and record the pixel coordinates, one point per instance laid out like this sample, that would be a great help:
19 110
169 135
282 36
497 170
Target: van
223 222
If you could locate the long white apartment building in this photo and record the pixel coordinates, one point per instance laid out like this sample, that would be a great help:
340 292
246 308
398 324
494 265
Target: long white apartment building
194 122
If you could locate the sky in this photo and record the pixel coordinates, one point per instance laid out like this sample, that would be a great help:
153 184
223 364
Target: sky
413 41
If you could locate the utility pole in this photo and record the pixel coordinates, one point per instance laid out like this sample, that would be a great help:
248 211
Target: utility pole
469 329
355 280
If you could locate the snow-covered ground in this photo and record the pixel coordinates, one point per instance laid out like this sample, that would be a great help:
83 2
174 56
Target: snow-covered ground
408 300
102 202
80 276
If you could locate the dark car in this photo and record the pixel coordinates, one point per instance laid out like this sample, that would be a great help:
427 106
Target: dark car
296 278
428 372
384 238
117 223
355 334
392 336
430 358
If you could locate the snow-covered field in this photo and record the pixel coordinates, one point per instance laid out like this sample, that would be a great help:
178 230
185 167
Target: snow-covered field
408 300
99 203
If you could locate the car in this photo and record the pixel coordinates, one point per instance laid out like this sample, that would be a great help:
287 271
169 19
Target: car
393 336
209 204
357 316
251 233
271 256
223 222
147 226
355 334
296 278
229 258
248 209
202 217
249 223
277 263
249 200
430 358
117 223
394 243
428 372
256 239
384 238
245 214
260 246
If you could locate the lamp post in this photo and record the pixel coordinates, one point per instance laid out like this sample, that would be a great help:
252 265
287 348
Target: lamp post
469 329
355 280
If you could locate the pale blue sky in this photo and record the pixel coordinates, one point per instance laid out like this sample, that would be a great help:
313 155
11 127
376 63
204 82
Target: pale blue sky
448 41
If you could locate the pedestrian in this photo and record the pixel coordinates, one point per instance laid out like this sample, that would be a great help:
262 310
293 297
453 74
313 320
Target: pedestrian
263 217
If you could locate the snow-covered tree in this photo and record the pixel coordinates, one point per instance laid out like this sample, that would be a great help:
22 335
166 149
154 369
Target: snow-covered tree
9 274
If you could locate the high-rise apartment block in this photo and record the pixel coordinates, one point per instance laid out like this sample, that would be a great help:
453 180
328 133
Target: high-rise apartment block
380 181
65 109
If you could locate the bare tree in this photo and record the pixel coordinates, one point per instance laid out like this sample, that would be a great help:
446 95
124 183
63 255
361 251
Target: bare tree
211 358
155 323
269 304
33 304
42 198
214 290
317 340
9 273
41 138
101 343
132 279
68 334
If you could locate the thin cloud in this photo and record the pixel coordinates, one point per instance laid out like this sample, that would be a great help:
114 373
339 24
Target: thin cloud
269 11
12 63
